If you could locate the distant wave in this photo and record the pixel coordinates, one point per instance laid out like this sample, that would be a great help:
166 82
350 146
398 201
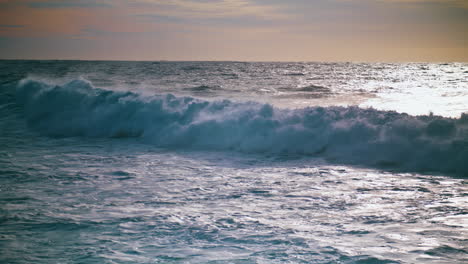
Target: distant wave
204 88
294 74
309 89
341 134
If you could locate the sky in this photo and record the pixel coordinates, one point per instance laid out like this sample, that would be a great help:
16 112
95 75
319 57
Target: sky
235 30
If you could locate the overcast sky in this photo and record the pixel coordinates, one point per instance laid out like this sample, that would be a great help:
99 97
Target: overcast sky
245 30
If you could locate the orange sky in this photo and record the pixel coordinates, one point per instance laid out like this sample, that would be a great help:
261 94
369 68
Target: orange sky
247 30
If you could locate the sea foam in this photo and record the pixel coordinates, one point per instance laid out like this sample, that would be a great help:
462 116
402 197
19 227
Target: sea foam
340 134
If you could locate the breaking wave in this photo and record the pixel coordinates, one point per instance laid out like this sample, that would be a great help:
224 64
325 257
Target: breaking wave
341 134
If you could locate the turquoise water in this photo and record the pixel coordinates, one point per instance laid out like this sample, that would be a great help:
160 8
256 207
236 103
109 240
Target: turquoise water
241 163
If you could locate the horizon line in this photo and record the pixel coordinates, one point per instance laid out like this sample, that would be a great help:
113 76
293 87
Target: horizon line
241 61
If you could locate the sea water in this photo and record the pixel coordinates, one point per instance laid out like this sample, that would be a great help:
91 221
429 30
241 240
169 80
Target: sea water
233 162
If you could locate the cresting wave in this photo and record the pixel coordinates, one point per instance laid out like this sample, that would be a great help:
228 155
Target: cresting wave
341 134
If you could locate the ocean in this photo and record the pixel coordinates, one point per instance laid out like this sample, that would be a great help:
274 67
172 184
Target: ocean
233 162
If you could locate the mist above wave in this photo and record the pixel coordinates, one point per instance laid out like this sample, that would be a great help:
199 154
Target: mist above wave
340 134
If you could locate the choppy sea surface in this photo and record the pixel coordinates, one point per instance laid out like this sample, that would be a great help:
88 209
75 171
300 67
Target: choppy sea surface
233 162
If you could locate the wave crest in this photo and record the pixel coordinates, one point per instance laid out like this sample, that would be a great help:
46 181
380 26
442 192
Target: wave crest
342 134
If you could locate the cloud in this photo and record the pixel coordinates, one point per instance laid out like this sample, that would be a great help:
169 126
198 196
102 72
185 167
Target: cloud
210 9
11 26
69 4
453 3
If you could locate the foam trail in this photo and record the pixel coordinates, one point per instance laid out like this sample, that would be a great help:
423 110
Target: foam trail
341 134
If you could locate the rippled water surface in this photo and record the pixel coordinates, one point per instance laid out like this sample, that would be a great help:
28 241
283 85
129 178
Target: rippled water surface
99 165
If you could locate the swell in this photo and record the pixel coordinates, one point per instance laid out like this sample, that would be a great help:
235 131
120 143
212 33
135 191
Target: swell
341 134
